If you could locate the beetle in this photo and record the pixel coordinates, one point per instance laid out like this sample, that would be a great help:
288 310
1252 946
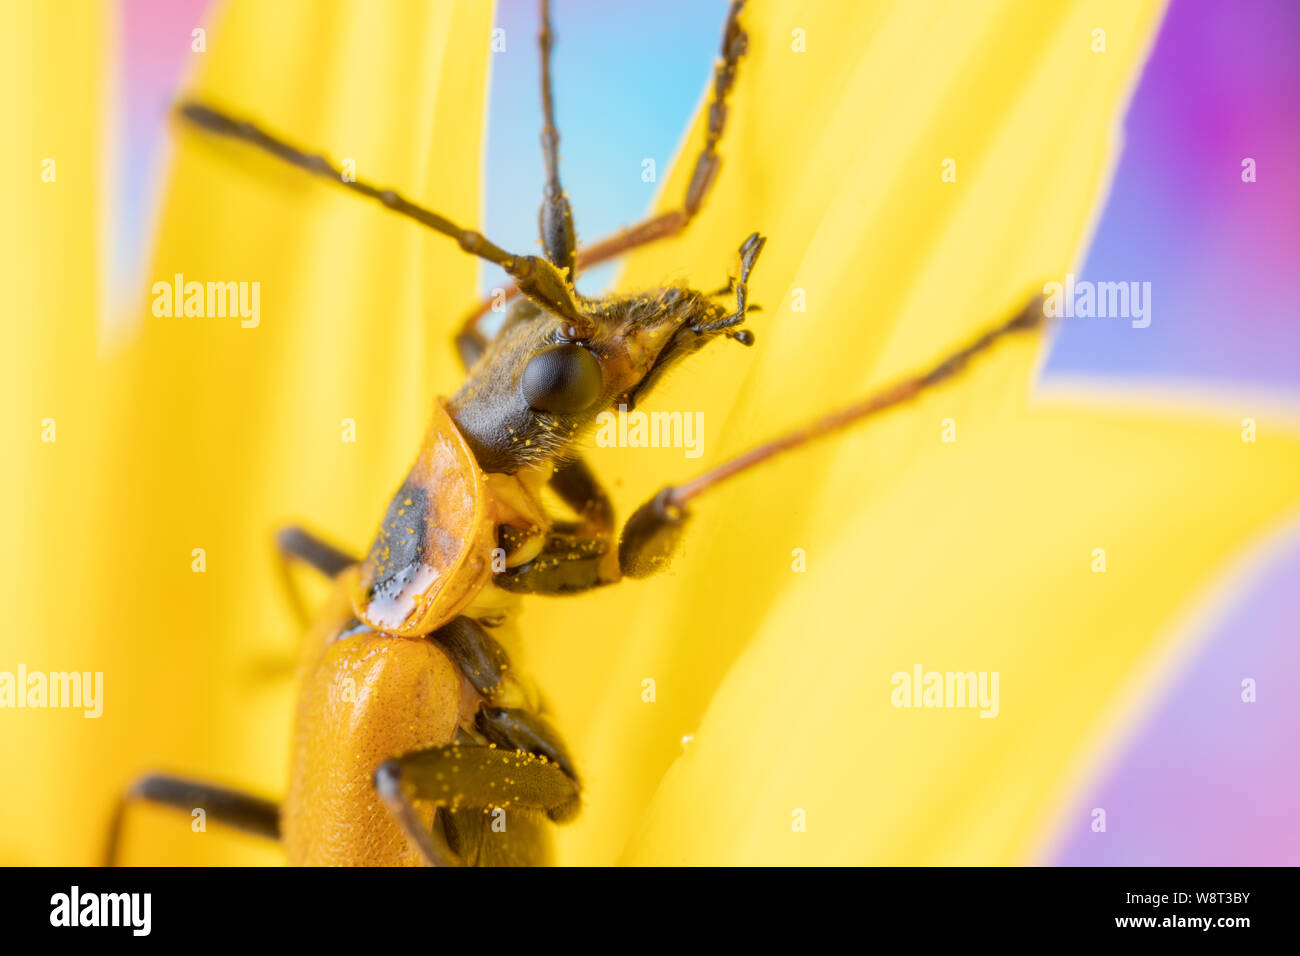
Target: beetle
417 741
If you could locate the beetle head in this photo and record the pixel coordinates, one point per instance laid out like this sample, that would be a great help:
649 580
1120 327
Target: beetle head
542 381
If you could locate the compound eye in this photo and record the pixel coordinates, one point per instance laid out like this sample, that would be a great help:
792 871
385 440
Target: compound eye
562 379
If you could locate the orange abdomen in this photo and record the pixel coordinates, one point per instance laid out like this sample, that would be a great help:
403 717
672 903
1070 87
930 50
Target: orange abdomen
363 700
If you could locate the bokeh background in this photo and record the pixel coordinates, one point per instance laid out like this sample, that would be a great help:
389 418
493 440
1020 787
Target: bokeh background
1200 778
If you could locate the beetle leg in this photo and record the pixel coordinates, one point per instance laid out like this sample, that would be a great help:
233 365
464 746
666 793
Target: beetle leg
585 559
295 543
234 808
748 255
522 730
470 344
651 535
580 489
567 564
576 556
430 843
666 224
474 651
460 776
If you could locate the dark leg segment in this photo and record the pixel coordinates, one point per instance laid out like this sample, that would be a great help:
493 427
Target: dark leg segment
457 776
580 489
566 565
576 556
522 730
298 544
739 284
233 808
475 653
429 841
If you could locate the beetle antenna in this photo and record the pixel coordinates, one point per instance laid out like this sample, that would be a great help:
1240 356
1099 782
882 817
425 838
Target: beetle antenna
708 162
555 220
538 279
214 121
1029 318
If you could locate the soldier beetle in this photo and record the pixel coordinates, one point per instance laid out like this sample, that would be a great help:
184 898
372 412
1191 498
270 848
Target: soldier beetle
414 734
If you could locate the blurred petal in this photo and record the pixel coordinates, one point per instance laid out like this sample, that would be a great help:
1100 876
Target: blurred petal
53 58
220 434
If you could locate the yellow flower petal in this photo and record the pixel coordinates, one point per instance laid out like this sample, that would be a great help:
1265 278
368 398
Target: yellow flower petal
52 57
219 434
983 561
